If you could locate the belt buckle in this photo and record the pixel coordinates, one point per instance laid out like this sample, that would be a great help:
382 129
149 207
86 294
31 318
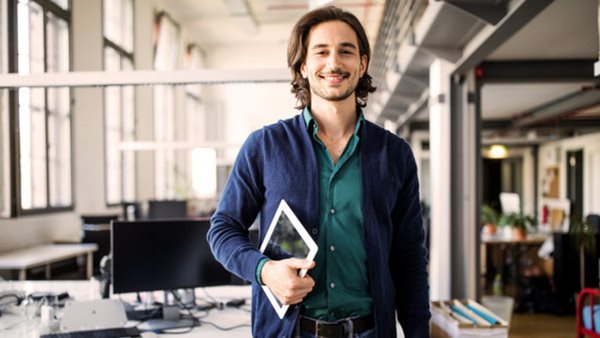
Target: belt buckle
317 328
328 329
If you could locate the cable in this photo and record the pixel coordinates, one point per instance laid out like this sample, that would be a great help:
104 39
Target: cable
224 328
195 321
210 298
199 319
17 299
220 306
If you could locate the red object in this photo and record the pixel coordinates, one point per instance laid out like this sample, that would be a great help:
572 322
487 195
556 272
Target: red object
479 72
545 214
581 330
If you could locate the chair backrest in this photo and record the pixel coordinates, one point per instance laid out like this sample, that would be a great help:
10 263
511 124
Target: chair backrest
99 219
163 209
593 220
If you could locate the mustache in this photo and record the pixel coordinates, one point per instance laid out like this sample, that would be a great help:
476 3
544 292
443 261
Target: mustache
335 72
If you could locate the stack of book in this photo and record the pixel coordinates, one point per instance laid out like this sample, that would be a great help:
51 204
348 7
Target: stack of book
465 318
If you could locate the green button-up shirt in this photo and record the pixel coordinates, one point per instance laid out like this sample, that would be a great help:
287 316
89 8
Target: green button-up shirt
341 282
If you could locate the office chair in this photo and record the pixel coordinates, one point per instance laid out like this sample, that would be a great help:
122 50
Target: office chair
96 229
593 220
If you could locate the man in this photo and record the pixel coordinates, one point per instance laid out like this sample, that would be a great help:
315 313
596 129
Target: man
352 185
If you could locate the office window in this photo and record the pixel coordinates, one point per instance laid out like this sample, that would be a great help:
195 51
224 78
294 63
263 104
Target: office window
119 110
201 167
44 115
4 123
167 170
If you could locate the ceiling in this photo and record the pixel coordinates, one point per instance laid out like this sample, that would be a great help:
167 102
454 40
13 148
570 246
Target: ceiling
227 22
565 29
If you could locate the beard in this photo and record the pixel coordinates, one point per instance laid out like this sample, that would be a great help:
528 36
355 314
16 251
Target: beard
322 92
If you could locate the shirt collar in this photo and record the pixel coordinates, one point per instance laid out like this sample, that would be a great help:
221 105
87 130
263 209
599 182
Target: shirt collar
312 123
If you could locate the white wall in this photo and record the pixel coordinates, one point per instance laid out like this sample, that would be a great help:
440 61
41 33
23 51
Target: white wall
247 107
554 154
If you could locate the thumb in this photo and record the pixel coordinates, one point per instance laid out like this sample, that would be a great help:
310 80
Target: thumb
297 263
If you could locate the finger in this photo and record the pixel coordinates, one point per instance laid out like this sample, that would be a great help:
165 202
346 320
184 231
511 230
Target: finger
297 263
302 292
304 283
295 300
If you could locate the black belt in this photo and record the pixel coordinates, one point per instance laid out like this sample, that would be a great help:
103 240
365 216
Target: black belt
337 329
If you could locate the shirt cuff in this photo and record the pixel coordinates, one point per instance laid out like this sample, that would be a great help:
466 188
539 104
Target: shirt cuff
259 269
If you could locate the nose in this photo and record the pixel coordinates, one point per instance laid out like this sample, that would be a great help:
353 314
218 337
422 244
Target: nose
333 61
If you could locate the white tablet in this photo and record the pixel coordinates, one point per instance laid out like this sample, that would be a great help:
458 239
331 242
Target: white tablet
286 238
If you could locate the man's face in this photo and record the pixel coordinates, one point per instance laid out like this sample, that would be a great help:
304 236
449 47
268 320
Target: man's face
333 63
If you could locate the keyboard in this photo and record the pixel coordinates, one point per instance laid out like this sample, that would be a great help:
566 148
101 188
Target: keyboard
101 333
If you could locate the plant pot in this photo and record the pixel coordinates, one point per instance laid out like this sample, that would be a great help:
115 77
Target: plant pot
519 234
489 229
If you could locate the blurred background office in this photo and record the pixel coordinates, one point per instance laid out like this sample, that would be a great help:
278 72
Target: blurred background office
135 109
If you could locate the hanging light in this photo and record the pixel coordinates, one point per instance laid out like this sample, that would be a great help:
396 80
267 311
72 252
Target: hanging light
497 151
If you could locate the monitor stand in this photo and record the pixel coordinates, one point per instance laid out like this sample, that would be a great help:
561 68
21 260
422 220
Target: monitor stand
170 319
165 324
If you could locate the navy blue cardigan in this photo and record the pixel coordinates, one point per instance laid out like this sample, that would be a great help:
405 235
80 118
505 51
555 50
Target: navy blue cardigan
275 163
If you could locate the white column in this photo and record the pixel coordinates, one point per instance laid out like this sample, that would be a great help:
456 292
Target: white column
144 98
439 142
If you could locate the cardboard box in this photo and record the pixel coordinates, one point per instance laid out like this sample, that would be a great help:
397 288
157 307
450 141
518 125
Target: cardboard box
446 323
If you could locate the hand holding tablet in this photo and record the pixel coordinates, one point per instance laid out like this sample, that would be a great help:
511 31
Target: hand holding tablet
290 248
282 279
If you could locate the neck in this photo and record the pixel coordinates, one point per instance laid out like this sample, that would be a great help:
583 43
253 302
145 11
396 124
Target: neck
335 118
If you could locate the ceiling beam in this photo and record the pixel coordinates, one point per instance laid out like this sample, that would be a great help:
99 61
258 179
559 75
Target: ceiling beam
557 108
486 124
144 77
489 11
490 38
527 71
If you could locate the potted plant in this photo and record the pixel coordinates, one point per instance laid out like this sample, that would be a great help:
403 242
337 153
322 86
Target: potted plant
584 239
519 222
489 219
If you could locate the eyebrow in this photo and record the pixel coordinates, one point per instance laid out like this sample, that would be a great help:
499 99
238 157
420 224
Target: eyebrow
343 44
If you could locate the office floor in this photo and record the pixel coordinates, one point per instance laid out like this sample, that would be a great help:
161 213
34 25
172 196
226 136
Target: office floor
541 325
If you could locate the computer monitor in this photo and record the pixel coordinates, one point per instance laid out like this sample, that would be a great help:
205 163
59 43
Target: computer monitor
162 209
151 255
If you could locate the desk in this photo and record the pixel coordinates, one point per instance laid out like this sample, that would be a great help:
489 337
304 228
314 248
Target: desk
23 259
14 324
514 250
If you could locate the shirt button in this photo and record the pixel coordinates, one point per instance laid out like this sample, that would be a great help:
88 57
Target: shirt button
332 248
332 211
314 231
332 285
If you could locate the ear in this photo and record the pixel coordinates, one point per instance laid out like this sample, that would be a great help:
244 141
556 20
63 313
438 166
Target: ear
363 65
303 70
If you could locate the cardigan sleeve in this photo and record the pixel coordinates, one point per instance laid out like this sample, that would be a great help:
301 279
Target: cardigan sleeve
408 258
238 207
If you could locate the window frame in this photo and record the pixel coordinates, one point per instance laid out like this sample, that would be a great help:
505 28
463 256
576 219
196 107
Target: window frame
13 102
165 160
5 171
107 43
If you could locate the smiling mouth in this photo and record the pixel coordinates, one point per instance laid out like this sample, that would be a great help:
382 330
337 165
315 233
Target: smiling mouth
334 79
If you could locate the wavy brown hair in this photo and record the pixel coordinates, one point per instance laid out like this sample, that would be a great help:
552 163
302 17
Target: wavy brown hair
296 53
